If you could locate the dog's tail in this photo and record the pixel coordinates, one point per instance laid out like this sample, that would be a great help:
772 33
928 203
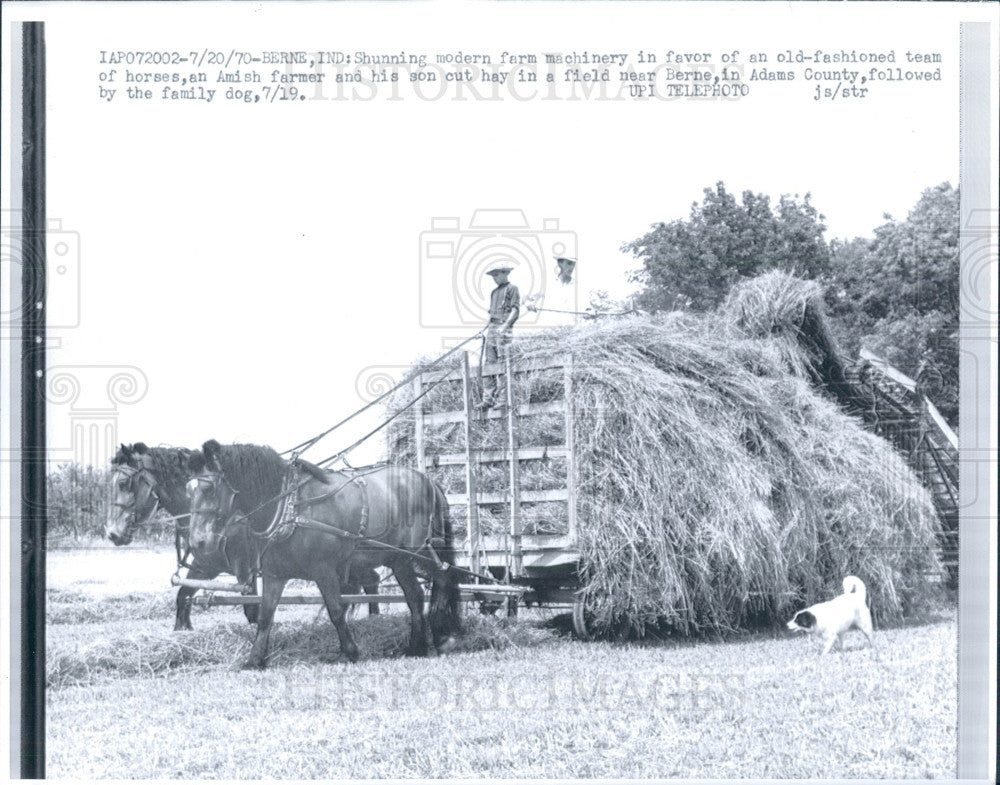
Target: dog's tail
853 585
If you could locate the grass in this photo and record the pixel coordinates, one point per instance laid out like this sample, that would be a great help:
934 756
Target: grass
128 698
77 607
91 653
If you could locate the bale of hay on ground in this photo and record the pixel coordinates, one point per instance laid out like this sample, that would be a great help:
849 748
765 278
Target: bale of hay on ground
717 488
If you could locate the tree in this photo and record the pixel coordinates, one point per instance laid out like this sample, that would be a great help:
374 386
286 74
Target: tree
723 242
77 501
77 506
898 294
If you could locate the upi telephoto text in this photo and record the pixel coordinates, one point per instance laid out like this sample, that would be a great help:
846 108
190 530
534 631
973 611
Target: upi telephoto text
252 77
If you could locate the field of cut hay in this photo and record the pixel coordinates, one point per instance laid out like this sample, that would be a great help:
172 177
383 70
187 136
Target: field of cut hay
128 698
719 488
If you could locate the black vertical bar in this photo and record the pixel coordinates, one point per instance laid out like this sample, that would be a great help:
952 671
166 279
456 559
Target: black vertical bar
33 406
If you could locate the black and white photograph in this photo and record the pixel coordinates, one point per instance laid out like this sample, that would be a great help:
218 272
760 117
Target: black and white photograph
499 390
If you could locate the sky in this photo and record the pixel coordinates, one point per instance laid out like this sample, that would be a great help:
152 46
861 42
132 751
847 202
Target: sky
247 272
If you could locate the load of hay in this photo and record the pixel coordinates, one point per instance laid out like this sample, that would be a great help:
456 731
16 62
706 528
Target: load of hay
717 487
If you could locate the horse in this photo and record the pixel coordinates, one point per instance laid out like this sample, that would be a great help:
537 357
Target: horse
312 524
145 479
142 481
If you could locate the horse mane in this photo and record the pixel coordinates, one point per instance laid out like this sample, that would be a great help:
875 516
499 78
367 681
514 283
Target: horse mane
196 463
169 467
314 471
125 454
255 472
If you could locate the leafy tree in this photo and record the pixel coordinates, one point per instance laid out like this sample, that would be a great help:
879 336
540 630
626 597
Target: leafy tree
897 294
851 306
723 242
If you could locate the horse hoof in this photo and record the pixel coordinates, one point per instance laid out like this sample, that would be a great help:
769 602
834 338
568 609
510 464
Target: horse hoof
178 627
253 664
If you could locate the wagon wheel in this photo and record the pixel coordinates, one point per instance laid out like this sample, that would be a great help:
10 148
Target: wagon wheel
583 618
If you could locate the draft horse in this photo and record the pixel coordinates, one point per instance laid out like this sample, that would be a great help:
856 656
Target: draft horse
145 479
325 524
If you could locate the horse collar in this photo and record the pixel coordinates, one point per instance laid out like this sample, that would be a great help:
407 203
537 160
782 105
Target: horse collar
286 515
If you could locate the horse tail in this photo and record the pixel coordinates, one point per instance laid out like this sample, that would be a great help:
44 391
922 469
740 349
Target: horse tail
444 616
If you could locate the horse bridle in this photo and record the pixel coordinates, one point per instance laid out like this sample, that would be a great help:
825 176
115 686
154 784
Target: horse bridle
223 496
133 474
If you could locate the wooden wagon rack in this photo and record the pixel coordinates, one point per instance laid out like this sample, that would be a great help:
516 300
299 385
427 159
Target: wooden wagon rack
514 556
531 568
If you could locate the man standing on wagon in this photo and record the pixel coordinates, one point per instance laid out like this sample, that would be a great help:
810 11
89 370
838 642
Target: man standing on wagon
505 307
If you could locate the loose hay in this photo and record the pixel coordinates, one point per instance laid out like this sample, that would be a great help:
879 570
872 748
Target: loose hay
75 607
118 653
717 488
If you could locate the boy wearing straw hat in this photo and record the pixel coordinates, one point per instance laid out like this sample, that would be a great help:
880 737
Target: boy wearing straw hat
505 305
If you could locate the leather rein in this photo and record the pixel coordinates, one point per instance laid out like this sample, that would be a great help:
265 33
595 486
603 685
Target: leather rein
132 474
144 472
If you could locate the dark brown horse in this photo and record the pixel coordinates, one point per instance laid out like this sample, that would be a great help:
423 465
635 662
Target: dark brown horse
145 479
402 514
142 481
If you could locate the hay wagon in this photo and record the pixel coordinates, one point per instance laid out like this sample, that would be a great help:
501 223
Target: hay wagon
518 529
508 473
707 471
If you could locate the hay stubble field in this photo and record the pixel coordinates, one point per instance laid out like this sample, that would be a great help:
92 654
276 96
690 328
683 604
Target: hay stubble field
129 698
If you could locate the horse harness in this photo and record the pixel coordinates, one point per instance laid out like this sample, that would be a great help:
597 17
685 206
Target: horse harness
143 472
288 519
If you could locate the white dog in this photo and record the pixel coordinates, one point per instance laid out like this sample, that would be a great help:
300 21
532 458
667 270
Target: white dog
832 619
